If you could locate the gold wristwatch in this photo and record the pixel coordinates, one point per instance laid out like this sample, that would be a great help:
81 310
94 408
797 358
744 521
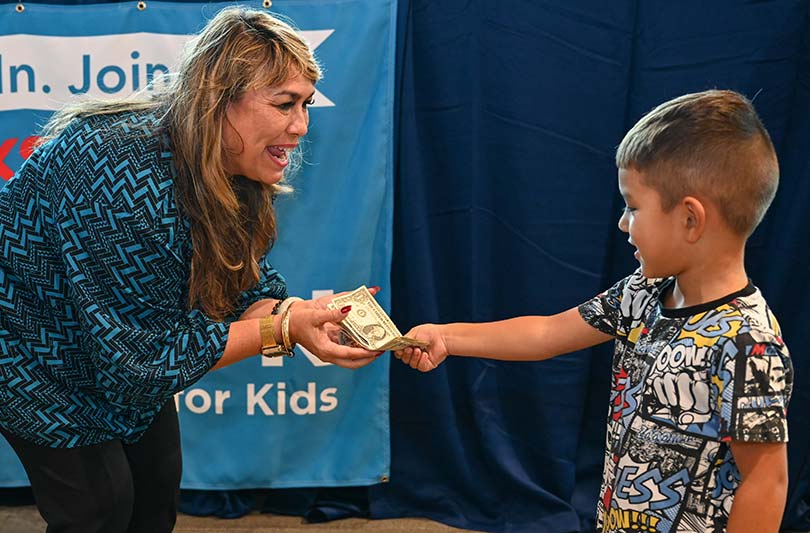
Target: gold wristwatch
271 348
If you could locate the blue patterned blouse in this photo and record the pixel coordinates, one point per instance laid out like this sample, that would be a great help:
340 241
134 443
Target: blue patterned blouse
95 335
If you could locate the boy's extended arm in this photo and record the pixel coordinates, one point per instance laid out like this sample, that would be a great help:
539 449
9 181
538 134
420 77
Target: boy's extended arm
526 338
760 498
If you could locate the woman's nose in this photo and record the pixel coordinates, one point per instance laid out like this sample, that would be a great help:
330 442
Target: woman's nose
298 123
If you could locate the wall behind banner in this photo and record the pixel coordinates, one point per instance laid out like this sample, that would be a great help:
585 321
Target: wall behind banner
298 422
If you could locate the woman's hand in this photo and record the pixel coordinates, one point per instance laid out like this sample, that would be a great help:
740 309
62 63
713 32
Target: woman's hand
262 308
424 359
323 301
316 329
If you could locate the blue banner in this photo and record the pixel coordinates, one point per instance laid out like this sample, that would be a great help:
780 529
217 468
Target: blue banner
261 423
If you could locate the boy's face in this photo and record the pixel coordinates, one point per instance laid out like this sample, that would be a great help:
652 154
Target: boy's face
653 232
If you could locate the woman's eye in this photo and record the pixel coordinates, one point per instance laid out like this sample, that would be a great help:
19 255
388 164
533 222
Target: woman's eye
285 106
309 102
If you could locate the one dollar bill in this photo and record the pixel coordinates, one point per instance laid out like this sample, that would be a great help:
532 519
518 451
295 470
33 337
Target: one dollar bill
368 325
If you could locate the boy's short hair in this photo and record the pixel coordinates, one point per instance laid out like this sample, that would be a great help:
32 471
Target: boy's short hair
710 145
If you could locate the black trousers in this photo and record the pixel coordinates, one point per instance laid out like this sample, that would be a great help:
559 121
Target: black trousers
109 487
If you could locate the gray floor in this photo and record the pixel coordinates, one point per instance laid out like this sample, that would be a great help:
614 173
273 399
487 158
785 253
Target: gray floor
26 519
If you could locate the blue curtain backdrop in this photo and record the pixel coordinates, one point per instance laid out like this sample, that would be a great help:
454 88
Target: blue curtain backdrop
506 204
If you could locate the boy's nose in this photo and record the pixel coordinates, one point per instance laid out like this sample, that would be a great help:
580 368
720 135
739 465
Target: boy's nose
623 222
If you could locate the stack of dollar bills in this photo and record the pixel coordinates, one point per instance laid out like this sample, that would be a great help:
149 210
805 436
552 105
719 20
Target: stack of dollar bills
367 325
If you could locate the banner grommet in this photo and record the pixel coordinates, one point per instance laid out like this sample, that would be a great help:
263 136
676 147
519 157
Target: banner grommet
19 7
141 5
267 3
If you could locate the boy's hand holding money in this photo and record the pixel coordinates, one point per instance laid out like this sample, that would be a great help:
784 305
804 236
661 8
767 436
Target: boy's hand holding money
425 358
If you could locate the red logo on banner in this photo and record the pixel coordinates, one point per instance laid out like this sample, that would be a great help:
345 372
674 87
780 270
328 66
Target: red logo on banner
26 147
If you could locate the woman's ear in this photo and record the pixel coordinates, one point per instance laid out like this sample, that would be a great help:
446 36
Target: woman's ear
695 218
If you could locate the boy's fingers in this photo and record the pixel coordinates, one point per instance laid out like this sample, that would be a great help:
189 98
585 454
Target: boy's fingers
422 362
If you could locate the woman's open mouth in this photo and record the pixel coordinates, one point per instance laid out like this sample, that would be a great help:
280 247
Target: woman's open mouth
279 154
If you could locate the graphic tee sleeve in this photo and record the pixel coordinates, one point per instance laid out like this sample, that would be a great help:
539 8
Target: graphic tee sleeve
753 380
604 311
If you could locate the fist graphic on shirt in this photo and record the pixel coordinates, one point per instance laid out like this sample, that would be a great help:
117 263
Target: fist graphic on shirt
686 395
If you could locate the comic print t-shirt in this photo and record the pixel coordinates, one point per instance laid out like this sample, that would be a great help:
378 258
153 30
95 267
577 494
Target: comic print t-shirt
685 383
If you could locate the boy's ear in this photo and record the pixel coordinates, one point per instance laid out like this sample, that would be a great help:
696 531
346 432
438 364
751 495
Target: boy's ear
695 221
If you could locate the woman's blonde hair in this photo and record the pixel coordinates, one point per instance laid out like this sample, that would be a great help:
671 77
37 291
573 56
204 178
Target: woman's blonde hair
232 218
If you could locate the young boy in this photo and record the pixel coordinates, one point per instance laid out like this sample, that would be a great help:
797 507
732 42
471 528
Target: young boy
696 436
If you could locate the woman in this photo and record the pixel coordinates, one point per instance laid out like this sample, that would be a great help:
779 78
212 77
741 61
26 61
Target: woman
133 244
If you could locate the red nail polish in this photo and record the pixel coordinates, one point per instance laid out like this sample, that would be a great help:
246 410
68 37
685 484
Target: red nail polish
377 288
346 309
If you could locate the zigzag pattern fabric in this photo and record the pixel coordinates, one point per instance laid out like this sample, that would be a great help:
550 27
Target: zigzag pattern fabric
95 335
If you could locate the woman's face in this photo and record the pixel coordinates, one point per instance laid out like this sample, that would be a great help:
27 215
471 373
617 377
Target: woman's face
264 126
